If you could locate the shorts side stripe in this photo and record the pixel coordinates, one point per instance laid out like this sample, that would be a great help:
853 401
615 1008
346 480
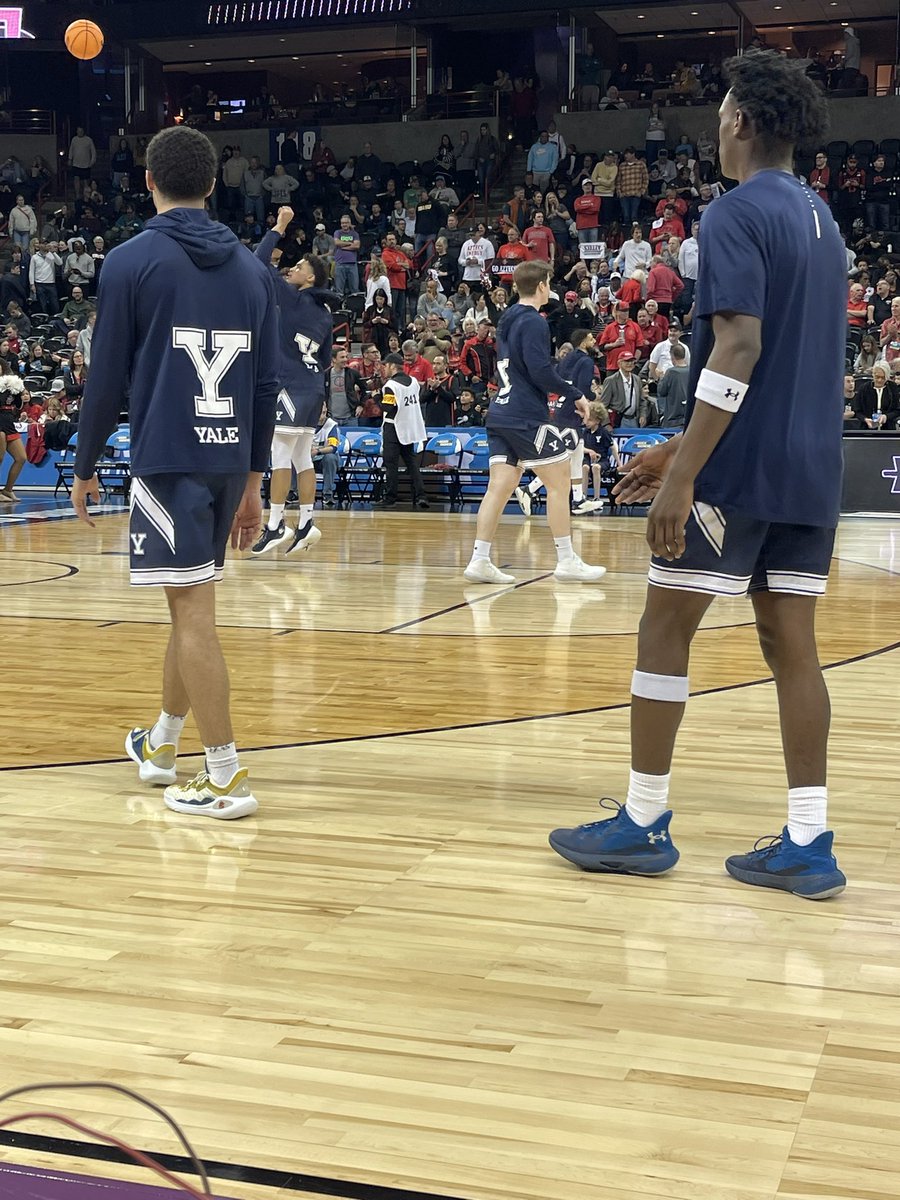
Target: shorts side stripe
711 524
533 463
699 581
174 576
287 403
795 583
143 498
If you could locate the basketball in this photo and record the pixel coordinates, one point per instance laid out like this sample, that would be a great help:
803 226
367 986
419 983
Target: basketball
84 39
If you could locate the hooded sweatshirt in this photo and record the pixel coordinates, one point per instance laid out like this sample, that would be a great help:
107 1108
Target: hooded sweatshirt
305 335
188 317
526 370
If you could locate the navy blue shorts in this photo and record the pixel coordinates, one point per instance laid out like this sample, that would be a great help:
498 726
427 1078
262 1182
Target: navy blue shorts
530 446
298 412
180 526
729 555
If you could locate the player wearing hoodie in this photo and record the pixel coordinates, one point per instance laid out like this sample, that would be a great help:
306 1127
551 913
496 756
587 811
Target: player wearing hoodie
189 319
305 334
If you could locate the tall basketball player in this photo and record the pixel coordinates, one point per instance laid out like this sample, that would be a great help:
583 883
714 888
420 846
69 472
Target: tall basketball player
305 333
748 499
189 318
521 435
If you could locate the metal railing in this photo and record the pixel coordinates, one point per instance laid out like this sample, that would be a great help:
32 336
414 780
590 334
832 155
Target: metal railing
28 120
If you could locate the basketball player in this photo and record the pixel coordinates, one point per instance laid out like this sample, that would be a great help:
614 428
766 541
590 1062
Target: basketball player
748 499
189 317
521 436
403 426
576 368
305 332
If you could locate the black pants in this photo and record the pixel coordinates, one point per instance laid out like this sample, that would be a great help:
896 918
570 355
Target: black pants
391 452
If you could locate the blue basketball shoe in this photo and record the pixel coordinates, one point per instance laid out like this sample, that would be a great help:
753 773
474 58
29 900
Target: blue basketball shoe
618 845
777 862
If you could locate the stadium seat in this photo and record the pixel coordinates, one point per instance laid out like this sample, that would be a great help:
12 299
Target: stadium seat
361 474
474 467
863 148
890 146
448 449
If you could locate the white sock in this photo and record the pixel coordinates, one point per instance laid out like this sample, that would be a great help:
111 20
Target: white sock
276 512
166 731
535 486
221 763
306 515
648 797
577 493
806 813
482 550
564 549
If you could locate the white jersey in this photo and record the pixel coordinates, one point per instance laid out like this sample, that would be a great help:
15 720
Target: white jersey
402 409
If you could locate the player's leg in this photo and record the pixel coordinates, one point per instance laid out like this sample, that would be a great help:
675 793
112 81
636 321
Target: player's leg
790 577
221 790
502 480
719 559
15 447
276 532
556 479
787 637
204 509
307 534
636 840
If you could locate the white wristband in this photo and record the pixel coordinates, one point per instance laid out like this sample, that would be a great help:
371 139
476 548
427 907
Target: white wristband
721 391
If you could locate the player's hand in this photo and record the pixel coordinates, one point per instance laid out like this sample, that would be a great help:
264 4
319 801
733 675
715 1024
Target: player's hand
82 491
248 518
645 473
669 514
285 216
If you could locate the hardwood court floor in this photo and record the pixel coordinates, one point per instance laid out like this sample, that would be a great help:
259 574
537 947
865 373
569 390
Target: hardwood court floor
387 977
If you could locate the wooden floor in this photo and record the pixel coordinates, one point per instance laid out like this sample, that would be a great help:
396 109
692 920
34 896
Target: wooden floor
387 978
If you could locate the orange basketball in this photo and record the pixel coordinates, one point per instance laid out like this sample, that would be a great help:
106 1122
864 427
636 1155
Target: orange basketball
84 39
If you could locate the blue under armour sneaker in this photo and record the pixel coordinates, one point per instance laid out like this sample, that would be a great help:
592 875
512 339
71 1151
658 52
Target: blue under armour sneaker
617 844
777 862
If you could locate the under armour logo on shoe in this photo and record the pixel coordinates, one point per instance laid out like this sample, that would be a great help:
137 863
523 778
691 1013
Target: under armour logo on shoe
656 837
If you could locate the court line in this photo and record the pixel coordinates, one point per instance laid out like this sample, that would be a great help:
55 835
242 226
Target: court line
497 721
295 1181
441 612
600 633
48 562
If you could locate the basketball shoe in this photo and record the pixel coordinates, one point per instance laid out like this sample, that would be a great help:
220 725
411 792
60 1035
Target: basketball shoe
618 845
482 570
574 570
154 766
201 797
271 539
777 862
523 499
305 538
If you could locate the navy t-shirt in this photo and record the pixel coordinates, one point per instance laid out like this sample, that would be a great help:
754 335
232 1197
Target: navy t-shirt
771 249
526 371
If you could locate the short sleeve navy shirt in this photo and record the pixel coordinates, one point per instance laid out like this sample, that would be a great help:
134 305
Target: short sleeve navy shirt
771 249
